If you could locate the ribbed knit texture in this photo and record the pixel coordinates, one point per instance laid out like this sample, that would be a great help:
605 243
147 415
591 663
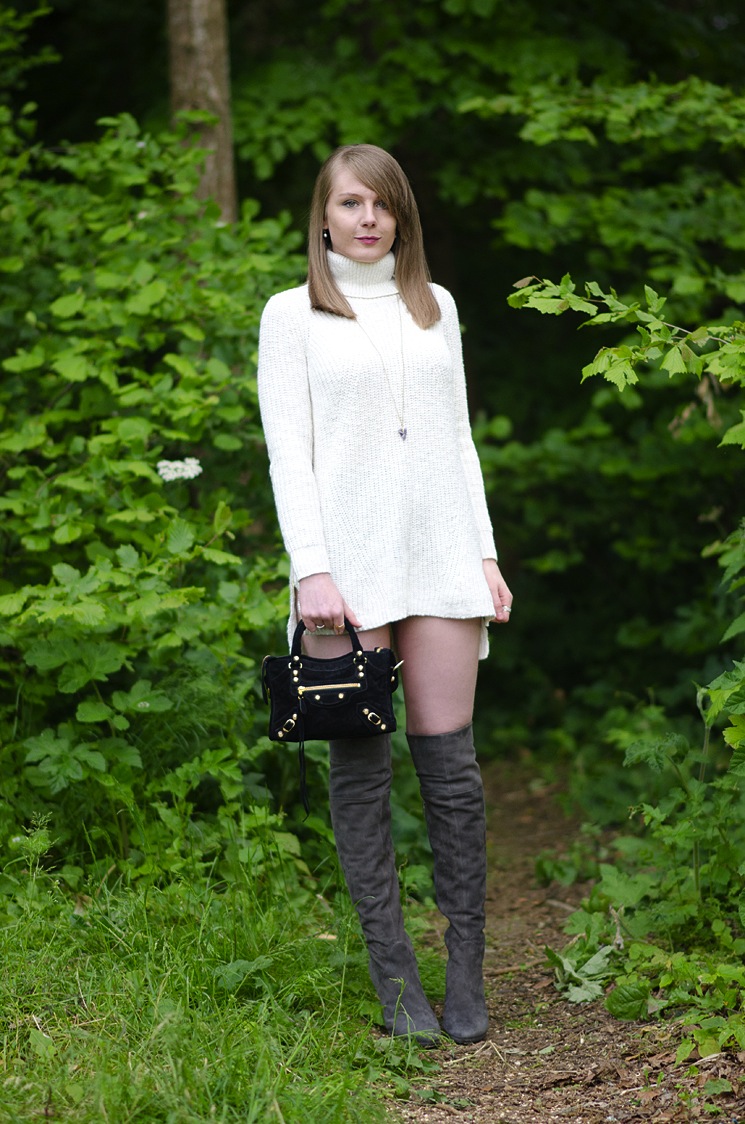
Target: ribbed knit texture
401 526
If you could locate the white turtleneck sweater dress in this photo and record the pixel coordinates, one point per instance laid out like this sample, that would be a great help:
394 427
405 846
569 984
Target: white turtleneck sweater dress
402 526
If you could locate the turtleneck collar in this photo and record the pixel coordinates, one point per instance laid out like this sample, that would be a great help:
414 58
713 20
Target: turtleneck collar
363 279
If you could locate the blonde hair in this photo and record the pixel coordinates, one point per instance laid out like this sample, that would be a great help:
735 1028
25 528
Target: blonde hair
377 170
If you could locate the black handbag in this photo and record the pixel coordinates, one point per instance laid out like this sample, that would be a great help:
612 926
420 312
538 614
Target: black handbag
348 696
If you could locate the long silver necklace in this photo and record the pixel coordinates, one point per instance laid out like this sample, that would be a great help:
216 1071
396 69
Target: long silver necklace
400 414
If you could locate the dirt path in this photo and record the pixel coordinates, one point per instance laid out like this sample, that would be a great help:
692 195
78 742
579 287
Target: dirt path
546 1060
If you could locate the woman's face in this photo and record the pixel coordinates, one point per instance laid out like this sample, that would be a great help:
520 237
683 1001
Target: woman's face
359 223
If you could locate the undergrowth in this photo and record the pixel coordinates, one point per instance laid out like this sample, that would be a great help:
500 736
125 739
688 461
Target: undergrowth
662 931
200 999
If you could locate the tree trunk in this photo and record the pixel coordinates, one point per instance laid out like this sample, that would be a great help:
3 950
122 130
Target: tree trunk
200 79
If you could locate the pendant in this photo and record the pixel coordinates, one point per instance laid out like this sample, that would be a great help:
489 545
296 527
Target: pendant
402 432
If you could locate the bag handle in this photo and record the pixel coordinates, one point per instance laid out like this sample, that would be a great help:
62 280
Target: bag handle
297 638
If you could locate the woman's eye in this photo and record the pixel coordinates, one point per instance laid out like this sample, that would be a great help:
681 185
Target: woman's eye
349 203
382 205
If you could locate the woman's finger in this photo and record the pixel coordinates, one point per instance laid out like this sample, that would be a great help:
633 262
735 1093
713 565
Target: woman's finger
353 620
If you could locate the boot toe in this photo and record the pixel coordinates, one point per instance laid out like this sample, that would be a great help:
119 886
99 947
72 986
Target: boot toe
465 1030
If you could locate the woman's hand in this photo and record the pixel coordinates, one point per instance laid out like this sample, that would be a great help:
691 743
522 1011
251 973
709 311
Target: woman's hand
320 605
499 590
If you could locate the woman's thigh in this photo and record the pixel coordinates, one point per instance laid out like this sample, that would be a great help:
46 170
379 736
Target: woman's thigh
327 647
441 659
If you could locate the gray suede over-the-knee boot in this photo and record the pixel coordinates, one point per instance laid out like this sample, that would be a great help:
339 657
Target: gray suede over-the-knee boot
359 796
453 796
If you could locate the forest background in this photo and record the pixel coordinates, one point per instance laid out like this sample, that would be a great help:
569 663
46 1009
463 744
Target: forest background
138 788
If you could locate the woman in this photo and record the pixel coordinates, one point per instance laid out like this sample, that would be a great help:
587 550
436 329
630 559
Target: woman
381 504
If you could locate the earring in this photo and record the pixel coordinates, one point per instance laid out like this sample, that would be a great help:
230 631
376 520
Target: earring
326 236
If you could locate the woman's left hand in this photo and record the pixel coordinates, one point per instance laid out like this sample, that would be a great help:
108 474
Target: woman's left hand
499 589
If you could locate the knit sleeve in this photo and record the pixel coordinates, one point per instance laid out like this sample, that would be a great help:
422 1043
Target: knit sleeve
287 419
469 456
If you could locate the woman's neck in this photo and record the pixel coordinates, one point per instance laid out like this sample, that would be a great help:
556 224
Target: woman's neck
363 279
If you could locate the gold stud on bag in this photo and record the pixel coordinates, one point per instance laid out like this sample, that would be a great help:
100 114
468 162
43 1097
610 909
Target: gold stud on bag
347 696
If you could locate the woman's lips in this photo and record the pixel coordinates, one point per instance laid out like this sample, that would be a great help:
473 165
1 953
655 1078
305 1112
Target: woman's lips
368 241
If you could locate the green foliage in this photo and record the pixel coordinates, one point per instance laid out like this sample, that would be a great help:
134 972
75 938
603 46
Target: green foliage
715 355
581 977
664 923
183 1003
139 588
662 178
676 889
16 61
662 930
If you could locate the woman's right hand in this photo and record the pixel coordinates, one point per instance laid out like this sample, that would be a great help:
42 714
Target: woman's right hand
320 605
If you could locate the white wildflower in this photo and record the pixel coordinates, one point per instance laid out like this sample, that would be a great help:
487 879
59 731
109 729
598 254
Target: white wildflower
186 469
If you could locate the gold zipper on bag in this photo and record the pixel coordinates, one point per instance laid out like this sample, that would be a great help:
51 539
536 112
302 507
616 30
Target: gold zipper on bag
328 687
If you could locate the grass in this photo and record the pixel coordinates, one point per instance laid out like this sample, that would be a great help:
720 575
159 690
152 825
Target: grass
185 1004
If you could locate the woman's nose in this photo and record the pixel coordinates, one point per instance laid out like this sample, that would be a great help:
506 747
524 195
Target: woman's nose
368 217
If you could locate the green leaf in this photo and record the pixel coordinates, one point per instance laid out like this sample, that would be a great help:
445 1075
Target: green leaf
12 603
735 435
734 736
45 743
629 1001
88 613
656 753
66 575
148 296
67 306
220 557
673 361
191 331
625 889
737 626
41 1044
116 233
45 655
716 1085
585 992
141 698
180 537
128 557
707 1045
685 1050
133 429
72 366
128 755
96 662
228 442
67 532
94 711
231 976
181 364
24 360
222 518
